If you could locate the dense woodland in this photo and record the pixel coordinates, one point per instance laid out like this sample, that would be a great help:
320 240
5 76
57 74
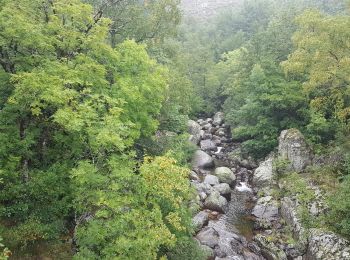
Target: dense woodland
95 97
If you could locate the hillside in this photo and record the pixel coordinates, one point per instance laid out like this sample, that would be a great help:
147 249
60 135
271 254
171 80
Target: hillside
207 8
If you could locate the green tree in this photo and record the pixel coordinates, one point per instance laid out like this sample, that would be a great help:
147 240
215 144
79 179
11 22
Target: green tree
144 21
321 62
135 216
71 112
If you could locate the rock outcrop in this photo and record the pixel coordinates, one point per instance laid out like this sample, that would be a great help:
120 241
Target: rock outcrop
266 211
194 129
327 245
293 147
263 175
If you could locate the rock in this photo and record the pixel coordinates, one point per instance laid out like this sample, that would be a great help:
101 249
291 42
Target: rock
248 163
202 160
209 120
236 257
202 195
202 134
327 245
213 215
263 175
292 252
223 188
289 212
225 175
229 244
206 126
207 136
194 130
216 202
266 211
221 132
293 147
202 187
200 220
208 145
194 176
200 121
268 249
211 180
208 237
212 130
218 118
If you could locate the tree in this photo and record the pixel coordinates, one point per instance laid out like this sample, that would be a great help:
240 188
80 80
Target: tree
73 108
135 215
144 21
321 62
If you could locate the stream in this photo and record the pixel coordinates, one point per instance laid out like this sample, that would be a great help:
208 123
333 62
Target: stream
228 230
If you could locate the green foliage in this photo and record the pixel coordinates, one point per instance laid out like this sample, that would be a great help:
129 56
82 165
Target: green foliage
321 61
4 252
261 102
135 215
72 110
280 167
187 249
296 185
151 22
175 146
339 215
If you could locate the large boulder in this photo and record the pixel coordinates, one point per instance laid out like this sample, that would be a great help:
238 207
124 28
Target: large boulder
208 145
263 175
268 249
216 202
211 180
327 245
225 175
266 211
223 188
202 187
218 118
202 160
194 129
293 147
200 220
208 237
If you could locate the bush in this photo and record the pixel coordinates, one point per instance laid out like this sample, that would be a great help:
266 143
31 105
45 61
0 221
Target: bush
339 215
176 146
187 248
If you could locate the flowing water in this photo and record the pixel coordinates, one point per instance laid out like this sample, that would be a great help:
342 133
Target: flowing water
238 218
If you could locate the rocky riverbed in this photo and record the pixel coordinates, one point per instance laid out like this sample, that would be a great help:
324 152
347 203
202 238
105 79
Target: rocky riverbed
223 182
239 217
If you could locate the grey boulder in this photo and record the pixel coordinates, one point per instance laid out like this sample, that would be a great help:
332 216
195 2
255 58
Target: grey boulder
208 237
216 202
202 160
208 145
194 129
200 220
263 175
211 180
225 175
293 147
218 118
223 188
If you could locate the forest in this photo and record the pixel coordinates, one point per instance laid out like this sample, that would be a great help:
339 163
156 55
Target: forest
96 95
